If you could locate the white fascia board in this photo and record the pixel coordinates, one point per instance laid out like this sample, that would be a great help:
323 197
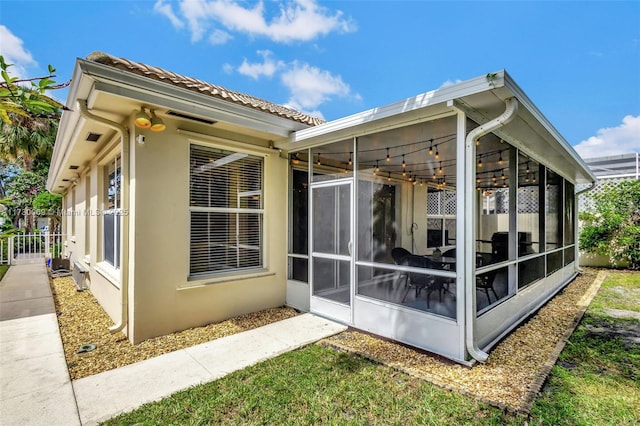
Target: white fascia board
524 100
70 121
373 117
130 85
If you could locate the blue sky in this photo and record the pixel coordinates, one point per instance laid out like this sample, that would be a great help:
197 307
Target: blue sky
579 61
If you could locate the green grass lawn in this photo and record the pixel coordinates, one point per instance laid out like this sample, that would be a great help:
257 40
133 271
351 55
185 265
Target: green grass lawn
595 383
596 380
3 270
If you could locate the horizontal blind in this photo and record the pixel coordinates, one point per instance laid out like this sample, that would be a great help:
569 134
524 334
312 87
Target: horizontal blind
221 178
226 210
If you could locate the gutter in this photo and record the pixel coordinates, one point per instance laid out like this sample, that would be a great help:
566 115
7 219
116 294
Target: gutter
124 265
509 114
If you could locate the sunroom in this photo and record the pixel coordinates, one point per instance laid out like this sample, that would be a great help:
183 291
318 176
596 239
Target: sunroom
442 221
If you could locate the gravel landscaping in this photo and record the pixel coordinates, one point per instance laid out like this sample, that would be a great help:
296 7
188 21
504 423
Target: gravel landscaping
517 366
82 321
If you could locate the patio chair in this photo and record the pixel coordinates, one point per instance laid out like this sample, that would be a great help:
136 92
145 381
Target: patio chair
399 256
484 282
426 282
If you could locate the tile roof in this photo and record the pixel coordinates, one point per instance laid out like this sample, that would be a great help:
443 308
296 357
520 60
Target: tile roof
203 87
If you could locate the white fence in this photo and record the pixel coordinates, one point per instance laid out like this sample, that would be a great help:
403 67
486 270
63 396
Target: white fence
27 248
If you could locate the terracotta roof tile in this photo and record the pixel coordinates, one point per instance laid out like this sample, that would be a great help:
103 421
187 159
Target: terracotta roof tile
196 85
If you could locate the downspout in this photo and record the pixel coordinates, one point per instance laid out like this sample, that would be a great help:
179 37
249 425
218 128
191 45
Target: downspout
124 265
469 258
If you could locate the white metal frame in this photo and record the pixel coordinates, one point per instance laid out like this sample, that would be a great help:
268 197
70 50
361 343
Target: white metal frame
339 311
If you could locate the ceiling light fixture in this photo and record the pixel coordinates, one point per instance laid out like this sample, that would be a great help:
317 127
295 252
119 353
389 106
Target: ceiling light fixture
143 120
156 123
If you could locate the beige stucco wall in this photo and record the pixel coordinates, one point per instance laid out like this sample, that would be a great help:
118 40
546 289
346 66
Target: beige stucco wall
163 298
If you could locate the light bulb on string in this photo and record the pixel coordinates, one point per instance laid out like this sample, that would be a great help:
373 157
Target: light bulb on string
403 163
528 170
388 176
480 162
350 162
440 169
437 153
431 147
377 167
388 158
500 161
319 163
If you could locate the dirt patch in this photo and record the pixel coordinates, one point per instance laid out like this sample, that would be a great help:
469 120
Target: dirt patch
628 331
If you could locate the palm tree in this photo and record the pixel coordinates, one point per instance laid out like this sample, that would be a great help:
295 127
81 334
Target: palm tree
26 141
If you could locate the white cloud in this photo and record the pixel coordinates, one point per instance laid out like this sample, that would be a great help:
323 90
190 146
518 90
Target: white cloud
227 68
623 139
219 37
14 53
267 68
296 20
165 9
310 87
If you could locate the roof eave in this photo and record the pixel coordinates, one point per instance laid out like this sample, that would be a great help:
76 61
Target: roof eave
392 115
525 102
125 83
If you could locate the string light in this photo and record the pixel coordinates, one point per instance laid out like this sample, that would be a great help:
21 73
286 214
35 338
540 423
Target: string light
350 160
526 179
377 167
319 163
502 176
431 147
500 159
477 142
388 158
528 170
534 178
494 177
404 172
480 162
389 176
440 169
404 165
437 153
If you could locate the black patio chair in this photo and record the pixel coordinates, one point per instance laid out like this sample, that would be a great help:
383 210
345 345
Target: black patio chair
484 282
426 282
399 256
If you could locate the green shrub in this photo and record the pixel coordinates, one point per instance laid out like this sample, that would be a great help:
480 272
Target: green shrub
613 229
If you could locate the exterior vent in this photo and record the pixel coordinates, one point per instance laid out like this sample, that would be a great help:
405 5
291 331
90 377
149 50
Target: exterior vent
93 137
190 117
74 167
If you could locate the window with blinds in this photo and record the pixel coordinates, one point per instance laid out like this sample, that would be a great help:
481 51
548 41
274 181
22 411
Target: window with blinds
226 209
111 214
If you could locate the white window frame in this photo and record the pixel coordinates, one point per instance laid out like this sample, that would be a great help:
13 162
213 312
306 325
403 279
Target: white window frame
231 210
113 166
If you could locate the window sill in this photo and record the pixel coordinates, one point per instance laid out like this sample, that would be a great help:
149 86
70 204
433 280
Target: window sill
204 281
109 272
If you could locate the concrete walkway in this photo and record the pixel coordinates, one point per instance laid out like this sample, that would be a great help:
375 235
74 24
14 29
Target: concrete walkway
34 380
